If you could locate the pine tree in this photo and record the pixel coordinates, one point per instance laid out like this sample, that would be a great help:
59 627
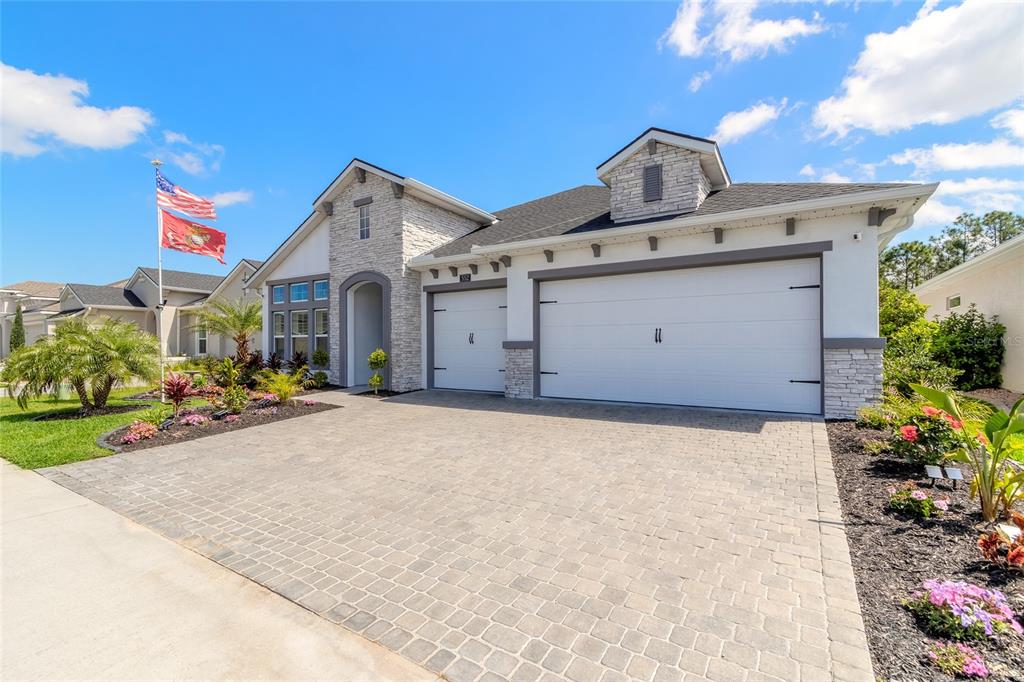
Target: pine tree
17 330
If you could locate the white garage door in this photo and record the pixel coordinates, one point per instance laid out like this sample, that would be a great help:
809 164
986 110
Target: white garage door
736 336
469 327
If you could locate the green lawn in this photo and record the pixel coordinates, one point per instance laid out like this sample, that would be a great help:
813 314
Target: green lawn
32 445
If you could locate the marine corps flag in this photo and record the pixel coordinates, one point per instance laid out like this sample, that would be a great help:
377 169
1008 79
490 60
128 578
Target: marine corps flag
184 235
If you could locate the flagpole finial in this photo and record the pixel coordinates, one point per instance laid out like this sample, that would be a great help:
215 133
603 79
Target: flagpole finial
157 163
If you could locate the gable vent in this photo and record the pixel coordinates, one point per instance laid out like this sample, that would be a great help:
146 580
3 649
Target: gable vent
652 183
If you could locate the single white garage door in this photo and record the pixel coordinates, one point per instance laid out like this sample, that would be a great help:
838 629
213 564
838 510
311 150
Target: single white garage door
469 327
736 336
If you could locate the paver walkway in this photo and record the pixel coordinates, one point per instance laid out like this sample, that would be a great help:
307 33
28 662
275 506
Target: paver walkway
489 539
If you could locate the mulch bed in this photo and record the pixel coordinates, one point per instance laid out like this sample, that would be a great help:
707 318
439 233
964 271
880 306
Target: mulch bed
379 395
83 414
178 432
893 554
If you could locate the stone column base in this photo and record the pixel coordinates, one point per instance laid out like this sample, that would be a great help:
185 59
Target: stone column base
519 372
853 379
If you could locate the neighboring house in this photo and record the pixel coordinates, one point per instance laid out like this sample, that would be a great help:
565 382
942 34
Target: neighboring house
668 283
994 281
38 302
136 300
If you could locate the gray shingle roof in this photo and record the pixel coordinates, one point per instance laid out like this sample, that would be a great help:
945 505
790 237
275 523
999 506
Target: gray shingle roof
253 262
586 208
35 288
92 294
177 279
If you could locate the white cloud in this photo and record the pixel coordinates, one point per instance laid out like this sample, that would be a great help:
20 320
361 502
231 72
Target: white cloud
935 212
966 156
41 112
238 196
970 195
832 176
195 158
739 124
808 171
1012 121
942 67
698 80
733 30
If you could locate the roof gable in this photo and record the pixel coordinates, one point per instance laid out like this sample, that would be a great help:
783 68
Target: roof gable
101 296
710 157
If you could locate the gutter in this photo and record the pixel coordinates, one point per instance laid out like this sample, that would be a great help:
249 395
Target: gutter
872 196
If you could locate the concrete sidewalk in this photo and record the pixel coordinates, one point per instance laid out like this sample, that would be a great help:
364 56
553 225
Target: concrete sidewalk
87 594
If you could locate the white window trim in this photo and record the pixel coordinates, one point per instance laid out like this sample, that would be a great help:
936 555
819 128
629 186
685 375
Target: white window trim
364 214
949 300
283 335
202 336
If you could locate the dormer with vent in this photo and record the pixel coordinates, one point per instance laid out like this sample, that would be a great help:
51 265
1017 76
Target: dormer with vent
662 173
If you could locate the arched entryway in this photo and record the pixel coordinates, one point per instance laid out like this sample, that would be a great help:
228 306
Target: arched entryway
365 325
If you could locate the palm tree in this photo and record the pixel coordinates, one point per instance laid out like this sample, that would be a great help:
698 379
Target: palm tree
89 358
236 319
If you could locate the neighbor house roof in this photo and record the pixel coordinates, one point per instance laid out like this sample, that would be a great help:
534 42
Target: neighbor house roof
95 295
178 279
240 266
995 256
35 289
586 208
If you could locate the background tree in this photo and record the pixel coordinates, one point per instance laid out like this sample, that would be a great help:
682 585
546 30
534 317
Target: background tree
235 319
17 330
897 308
908 264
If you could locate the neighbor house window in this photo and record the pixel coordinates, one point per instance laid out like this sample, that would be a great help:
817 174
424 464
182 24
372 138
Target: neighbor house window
320 330
364 222
320 290
299 292
953 302
300 331
201 341
279 334
279 294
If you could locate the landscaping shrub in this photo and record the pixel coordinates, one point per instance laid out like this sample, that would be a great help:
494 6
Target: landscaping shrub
194 419
274 362
897 308
249 369
177 389
321 358
927 437
235 399
198 382
959 610
911 499
907 359
156 414
318 379
139 430
377 361
283 385
957 659
973 345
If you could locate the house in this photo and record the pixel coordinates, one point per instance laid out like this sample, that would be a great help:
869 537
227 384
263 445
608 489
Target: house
135 300
994 281
38 301
667 283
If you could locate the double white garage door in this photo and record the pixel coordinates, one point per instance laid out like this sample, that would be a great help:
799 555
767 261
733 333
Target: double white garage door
739 336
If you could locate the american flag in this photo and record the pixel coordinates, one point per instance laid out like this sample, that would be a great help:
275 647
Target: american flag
169 195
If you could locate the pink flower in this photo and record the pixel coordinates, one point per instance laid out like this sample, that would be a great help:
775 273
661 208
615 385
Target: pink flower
953 422
909 433
919 495
942 505
309 403
931 411
981 438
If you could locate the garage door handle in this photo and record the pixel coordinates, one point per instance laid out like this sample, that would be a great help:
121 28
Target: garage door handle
549 372
437 368
807 286
471 337
803 381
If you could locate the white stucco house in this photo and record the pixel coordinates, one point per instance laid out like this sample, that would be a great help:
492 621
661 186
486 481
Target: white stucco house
134 300
994 281
665 283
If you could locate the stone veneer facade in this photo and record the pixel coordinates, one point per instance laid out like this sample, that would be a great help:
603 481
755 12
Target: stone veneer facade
400 229
683 183
853 379
518 372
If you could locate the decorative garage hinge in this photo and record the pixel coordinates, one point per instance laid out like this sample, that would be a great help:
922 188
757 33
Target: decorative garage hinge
439 368
440 310
549 372
542 302
807 286
804 381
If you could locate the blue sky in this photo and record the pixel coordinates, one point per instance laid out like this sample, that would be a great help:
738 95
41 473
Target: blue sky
497 104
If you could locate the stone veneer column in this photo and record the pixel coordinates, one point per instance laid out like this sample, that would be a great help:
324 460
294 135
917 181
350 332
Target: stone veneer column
518 372
853 379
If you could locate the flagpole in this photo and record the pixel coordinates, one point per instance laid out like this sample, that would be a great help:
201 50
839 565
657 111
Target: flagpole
159 285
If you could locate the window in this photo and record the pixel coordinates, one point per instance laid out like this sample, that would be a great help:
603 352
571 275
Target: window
953 302
200 342
278 294
320 290
364 222
300 331
652 183
320 330
279 334
299 292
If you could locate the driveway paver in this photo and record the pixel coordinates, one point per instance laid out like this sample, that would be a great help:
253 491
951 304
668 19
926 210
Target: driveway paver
491 539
